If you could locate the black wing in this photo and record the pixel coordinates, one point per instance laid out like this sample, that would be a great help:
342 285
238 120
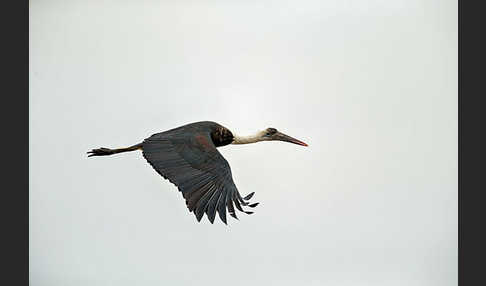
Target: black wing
191 161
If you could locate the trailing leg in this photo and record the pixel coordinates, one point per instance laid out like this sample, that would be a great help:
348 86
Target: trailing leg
106 151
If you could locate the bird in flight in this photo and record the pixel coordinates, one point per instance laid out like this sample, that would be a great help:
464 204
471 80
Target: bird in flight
188 158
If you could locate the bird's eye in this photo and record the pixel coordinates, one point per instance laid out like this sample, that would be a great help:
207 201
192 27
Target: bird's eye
267 134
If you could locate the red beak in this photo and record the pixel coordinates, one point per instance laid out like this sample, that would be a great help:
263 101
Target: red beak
282 137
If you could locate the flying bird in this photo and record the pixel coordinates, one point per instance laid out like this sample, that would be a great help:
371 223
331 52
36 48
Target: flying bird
188 158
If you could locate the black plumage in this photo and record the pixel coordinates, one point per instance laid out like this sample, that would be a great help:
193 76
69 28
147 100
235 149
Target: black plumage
188 158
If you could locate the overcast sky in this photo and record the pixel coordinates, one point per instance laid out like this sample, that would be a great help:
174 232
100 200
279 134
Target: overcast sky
371 86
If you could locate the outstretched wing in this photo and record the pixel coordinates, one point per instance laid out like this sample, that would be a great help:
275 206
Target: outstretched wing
191 161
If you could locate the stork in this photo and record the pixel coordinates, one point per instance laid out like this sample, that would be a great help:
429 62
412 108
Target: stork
188 158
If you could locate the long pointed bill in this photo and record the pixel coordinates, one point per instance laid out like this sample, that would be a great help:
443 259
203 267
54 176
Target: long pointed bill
282 137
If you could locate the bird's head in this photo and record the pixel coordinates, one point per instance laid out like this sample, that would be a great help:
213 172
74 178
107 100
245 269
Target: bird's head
271 134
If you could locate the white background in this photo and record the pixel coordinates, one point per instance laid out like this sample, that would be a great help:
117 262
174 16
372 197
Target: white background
371 86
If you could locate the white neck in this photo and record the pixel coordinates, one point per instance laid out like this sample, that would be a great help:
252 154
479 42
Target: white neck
248 139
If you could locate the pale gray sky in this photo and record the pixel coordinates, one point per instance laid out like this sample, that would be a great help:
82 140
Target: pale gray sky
371 86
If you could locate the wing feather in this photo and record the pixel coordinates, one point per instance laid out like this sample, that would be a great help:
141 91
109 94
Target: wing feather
200 172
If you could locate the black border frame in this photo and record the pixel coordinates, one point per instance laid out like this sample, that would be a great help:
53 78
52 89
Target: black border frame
15 140
471 143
